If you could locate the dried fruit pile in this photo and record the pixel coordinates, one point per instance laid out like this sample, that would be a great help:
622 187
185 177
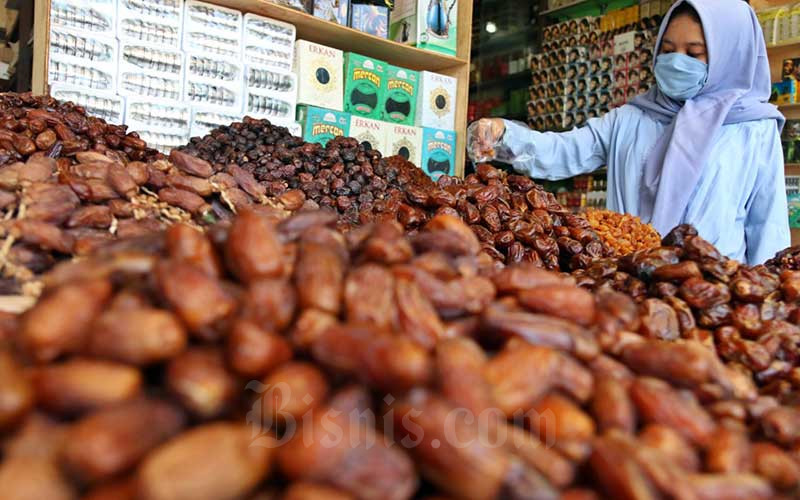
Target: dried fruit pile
786 260
137 366
686 289
40 124
623 233
515 219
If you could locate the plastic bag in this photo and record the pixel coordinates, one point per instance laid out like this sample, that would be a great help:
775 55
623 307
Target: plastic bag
485 143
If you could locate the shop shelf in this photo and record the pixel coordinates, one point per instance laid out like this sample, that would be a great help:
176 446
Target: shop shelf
325 32
784 47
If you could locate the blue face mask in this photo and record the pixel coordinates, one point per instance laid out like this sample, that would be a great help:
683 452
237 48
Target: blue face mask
680 76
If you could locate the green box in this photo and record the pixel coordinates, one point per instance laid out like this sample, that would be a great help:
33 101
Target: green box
438 152
400 95
428 24
320 125
364 83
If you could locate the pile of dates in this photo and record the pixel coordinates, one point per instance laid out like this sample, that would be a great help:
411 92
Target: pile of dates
785 260
623 234
515 219
687 290
41 124
278 357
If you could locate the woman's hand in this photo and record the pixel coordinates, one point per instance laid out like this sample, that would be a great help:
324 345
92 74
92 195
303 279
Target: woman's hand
483 137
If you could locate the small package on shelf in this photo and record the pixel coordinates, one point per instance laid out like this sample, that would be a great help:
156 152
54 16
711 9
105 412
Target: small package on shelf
438 152
268 42
72 43
436 101
321 125
204 120
320 75
371 132
148 70
153 21
335 11
269 94
105 105
401 88
164 125
370 16
89 17
405 141
212 81
428 24
82 72
212 30
364 85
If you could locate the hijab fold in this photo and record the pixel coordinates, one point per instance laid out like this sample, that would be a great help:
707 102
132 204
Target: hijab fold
737 91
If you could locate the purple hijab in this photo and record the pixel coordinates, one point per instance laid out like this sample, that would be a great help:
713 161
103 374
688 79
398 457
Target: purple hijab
737 90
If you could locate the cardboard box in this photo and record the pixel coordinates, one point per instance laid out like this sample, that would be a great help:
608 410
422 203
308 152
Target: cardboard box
363 91
373 132
335 11
372 19
438 152
320 75
405 141
436 102
428 24
401 87
321 125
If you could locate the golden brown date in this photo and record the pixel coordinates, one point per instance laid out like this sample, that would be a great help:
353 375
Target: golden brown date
188 244
319 277
139 336
60 321
27 478
417 318
80 385
292 390
191 164
563 301
254 352
111 441
612 407
369 296
672 444
253 249
729 452
211 462
777 466
313 491
17 394
200 380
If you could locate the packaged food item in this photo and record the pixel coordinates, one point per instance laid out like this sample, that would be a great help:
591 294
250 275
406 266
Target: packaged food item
165 116
428 24
321 125
106 105
154 21
213 81
370 17
401 87
212 30
372 132
82 72
161 68
72 43
268 42
90 17
784 92
204 120
436 101
304 5
364 84
438 152
406 141
320 75
336 11
269 93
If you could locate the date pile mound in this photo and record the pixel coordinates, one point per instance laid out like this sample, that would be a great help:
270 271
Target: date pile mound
41 124
785 260
243 362
515 219
622 233
687 289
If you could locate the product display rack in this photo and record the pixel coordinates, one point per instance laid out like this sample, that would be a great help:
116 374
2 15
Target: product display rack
327 33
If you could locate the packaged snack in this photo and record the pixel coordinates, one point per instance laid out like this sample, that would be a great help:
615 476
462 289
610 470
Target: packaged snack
320 75
364 85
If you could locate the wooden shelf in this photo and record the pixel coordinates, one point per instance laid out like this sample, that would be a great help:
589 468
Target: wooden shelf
791 169
328 33
784 46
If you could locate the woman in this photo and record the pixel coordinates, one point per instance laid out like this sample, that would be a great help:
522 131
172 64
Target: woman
702 148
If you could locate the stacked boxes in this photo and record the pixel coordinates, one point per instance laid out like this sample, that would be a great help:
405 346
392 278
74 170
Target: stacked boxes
405 141
438 152
105 105
321 125
364 85
372 132
211 30
269 93
163 124
155 22
436 104
150 71
268 42
319 71
400 96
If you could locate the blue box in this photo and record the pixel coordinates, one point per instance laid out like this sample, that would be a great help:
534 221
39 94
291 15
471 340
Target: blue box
320 125
438 152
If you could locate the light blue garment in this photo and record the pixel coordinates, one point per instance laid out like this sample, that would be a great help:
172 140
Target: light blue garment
738 204
679 76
